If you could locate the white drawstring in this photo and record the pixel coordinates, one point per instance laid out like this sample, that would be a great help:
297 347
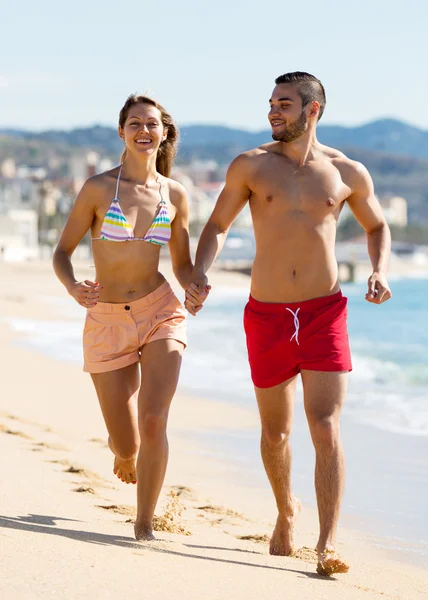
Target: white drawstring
296 325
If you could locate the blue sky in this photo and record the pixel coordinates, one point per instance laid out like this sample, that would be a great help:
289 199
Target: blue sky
73 64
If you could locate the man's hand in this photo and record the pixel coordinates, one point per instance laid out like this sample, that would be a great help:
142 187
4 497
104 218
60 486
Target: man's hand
86 293
196 293
378 291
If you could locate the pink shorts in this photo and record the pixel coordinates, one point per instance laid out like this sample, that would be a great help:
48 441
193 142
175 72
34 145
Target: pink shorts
115 333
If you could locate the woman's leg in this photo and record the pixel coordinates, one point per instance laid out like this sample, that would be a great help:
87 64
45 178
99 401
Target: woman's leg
117 393
160 368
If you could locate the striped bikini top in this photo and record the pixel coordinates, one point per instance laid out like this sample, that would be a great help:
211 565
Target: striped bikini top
115 227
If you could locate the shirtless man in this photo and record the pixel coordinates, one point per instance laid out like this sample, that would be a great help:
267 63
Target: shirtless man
295 320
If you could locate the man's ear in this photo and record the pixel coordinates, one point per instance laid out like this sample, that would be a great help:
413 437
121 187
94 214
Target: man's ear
315 109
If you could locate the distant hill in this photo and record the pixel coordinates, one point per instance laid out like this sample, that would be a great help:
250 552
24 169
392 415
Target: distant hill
395 153
386 135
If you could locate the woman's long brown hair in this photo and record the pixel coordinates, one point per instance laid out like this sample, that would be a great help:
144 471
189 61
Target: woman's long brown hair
168 148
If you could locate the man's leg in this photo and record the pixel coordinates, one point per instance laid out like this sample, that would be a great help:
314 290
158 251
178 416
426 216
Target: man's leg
276 413
324 394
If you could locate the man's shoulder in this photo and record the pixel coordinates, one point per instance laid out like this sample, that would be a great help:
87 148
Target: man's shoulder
353 173
342 162
337 156
263 151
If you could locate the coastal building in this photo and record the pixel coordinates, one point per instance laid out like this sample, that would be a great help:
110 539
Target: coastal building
18 234
395 210
8 169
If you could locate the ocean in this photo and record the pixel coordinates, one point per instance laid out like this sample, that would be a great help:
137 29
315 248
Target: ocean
385 417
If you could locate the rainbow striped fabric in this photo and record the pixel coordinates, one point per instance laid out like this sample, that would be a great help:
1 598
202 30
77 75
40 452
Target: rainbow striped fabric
160 230
115 227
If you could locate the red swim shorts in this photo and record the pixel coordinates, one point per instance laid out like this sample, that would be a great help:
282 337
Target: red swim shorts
286 338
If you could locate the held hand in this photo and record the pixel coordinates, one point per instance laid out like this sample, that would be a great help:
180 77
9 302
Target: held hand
196 294
378 291
86 293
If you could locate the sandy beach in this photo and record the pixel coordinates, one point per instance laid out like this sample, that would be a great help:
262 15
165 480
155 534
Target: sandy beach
66 521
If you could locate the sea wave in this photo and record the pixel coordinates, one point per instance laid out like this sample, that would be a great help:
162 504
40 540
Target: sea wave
388 387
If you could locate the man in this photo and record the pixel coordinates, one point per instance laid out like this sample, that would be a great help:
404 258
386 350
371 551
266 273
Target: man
295 320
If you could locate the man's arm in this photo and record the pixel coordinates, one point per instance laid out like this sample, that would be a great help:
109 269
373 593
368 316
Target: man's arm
231 201
368 212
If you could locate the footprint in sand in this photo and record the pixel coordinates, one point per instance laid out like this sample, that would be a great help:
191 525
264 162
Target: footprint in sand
20 434
182 490
260 538
84 490
90 476
63 462
7 430
74 470
48 446
226 516
169 521
99 441
219 510
127 511
306 554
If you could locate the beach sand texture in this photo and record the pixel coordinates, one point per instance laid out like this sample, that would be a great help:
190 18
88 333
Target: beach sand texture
66 522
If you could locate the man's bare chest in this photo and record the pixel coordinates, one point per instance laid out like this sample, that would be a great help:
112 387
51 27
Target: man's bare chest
302 190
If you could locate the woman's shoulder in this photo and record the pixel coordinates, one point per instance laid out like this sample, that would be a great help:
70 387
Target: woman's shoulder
101 183
177 192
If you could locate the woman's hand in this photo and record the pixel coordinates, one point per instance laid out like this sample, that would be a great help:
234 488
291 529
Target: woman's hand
196 294
86 293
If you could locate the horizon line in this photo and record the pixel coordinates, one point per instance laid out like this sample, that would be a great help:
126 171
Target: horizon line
4 128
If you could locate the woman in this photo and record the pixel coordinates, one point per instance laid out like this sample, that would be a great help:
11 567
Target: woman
134 333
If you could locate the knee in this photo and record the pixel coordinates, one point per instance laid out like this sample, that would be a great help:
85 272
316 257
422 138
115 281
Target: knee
275 437
152 426
325 432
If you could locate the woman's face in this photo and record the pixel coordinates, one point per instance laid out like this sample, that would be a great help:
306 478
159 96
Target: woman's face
143 131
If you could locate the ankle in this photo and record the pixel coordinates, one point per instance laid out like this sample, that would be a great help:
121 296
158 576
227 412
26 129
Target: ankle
143 524
288 509
325 546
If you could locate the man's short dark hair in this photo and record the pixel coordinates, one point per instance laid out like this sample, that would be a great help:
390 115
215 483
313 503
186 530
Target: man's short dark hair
309 88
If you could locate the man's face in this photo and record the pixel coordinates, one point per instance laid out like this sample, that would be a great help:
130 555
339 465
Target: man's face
287 117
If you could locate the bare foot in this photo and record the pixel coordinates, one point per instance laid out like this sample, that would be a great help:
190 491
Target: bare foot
329 562
143 533
281 542
125 469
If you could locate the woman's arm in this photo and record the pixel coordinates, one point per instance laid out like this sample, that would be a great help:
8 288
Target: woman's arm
179 247
79 221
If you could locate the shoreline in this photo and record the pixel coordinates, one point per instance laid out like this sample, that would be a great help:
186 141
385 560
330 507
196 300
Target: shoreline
52 425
